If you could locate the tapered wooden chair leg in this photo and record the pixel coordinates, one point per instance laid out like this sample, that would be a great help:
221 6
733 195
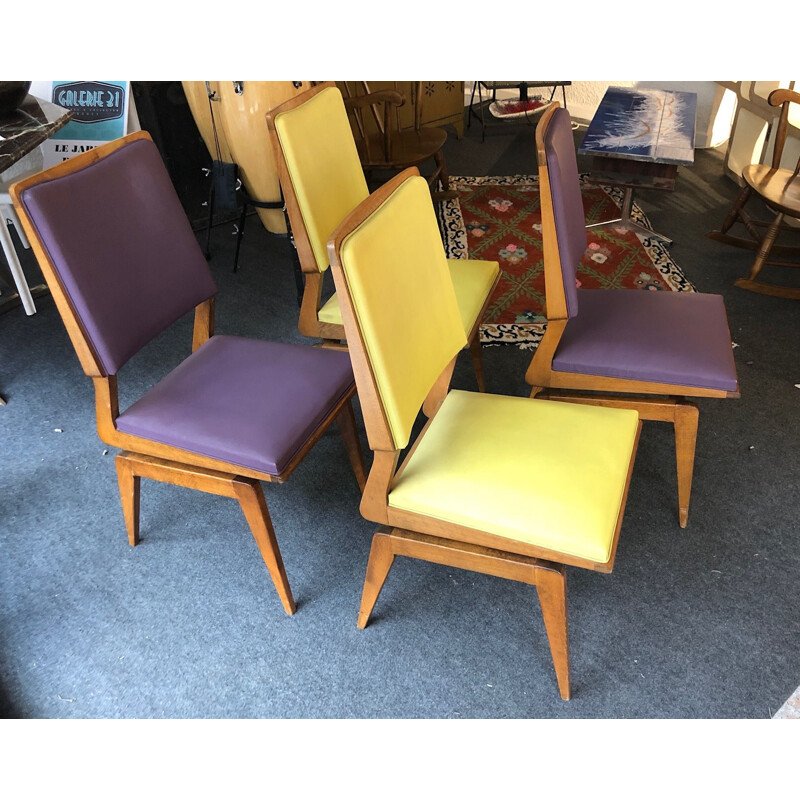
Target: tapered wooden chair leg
440 174
444 178
686 421
766 245
129 490
551 585
733 214
347 427
251 498
381 558
476 352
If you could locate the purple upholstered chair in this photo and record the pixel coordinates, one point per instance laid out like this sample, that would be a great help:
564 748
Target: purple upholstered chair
653 350
123 264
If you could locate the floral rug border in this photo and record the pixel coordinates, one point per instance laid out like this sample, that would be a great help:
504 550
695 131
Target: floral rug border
527 336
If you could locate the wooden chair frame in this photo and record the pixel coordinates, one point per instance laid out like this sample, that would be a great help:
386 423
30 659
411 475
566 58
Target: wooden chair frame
143 458
419 536
671 404
779 189
309 323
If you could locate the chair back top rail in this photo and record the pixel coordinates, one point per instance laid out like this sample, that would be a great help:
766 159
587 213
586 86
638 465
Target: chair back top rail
783 97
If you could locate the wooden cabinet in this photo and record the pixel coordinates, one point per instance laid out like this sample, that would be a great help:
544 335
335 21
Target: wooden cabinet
442 101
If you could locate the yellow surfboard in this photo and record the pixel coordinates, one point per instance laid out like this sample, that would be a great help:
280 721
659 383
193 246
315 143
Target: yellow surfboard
244 105
240 108
197 97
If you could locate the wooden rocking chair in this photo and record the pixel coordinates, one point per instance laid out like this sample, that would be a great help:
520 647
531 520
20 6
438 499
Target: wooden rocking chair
779 188
383 146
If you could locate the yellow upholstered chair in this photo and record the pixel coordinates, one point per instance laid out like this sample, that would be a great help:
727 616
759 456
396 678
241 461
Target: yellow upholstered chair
466 494
322 181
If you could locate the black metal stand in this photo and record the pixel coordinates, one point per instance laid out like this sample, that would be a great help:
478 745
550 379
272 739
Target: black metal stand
521 86
247 203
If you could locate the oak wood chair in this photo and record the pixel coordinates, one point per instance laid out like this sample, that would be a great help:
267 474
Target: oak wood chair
623 348
466 494
381 143
779 189
322 181
123 264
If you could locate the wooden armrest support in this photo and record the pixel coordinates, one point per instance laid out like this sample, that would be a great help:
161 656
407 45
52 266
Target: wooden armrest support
780 96
389 96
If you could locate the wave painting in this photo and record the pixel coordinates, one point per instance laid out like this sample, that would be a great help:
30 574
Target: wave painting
651 124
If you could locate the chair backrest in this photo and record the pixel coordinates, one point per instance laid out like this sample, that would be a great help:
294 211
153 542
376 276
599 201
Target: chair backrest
398 303
383 105
784 98
319 168
563 217
115 247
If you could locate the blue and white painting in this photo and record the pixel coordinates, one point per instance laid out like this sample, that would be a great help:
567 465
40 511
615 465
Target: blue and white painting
100 114
643 124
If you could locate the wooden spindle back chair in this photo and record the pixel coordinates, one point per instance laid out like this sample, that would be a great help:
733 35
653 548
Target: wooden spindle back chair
778 187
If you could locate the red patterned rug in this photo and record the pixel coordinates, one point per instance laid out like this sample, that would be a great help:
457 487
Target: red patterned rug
499 219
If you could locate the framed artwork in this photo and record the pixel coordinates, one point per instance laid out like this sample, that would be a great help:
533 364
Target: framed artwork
100 114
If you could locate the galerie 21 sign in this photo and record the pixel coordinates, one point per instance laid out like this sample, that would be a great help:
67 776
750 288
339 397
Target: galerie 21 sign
99 114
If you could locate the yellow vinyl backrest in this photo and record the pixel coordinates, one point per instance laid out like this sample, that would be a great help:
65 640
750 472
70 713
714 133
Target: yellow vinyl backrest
404 301
323 165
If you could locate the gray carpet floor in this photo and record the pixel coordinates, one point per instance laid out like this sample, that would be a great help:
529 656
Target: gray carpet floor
695 623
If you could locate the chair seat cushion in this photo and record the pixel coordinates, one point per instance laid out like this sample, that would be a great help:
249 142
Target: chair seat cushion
409 148
330 311
678 338
472 281
780 188
248 402
540 472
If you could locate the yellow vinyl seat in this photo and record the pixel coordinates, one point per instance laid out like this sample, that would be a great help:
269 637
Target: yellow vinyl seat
472 282
329 312
476 467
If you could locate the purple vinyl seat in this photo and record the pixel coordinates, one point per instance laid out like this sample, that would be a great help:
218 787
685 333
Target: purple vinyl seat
281 393
628 342
659 337
123 264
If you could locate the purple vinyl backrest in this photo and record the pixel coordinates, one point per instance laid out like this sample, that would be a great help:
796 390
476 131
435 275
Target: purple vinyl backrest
565 189
123 249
